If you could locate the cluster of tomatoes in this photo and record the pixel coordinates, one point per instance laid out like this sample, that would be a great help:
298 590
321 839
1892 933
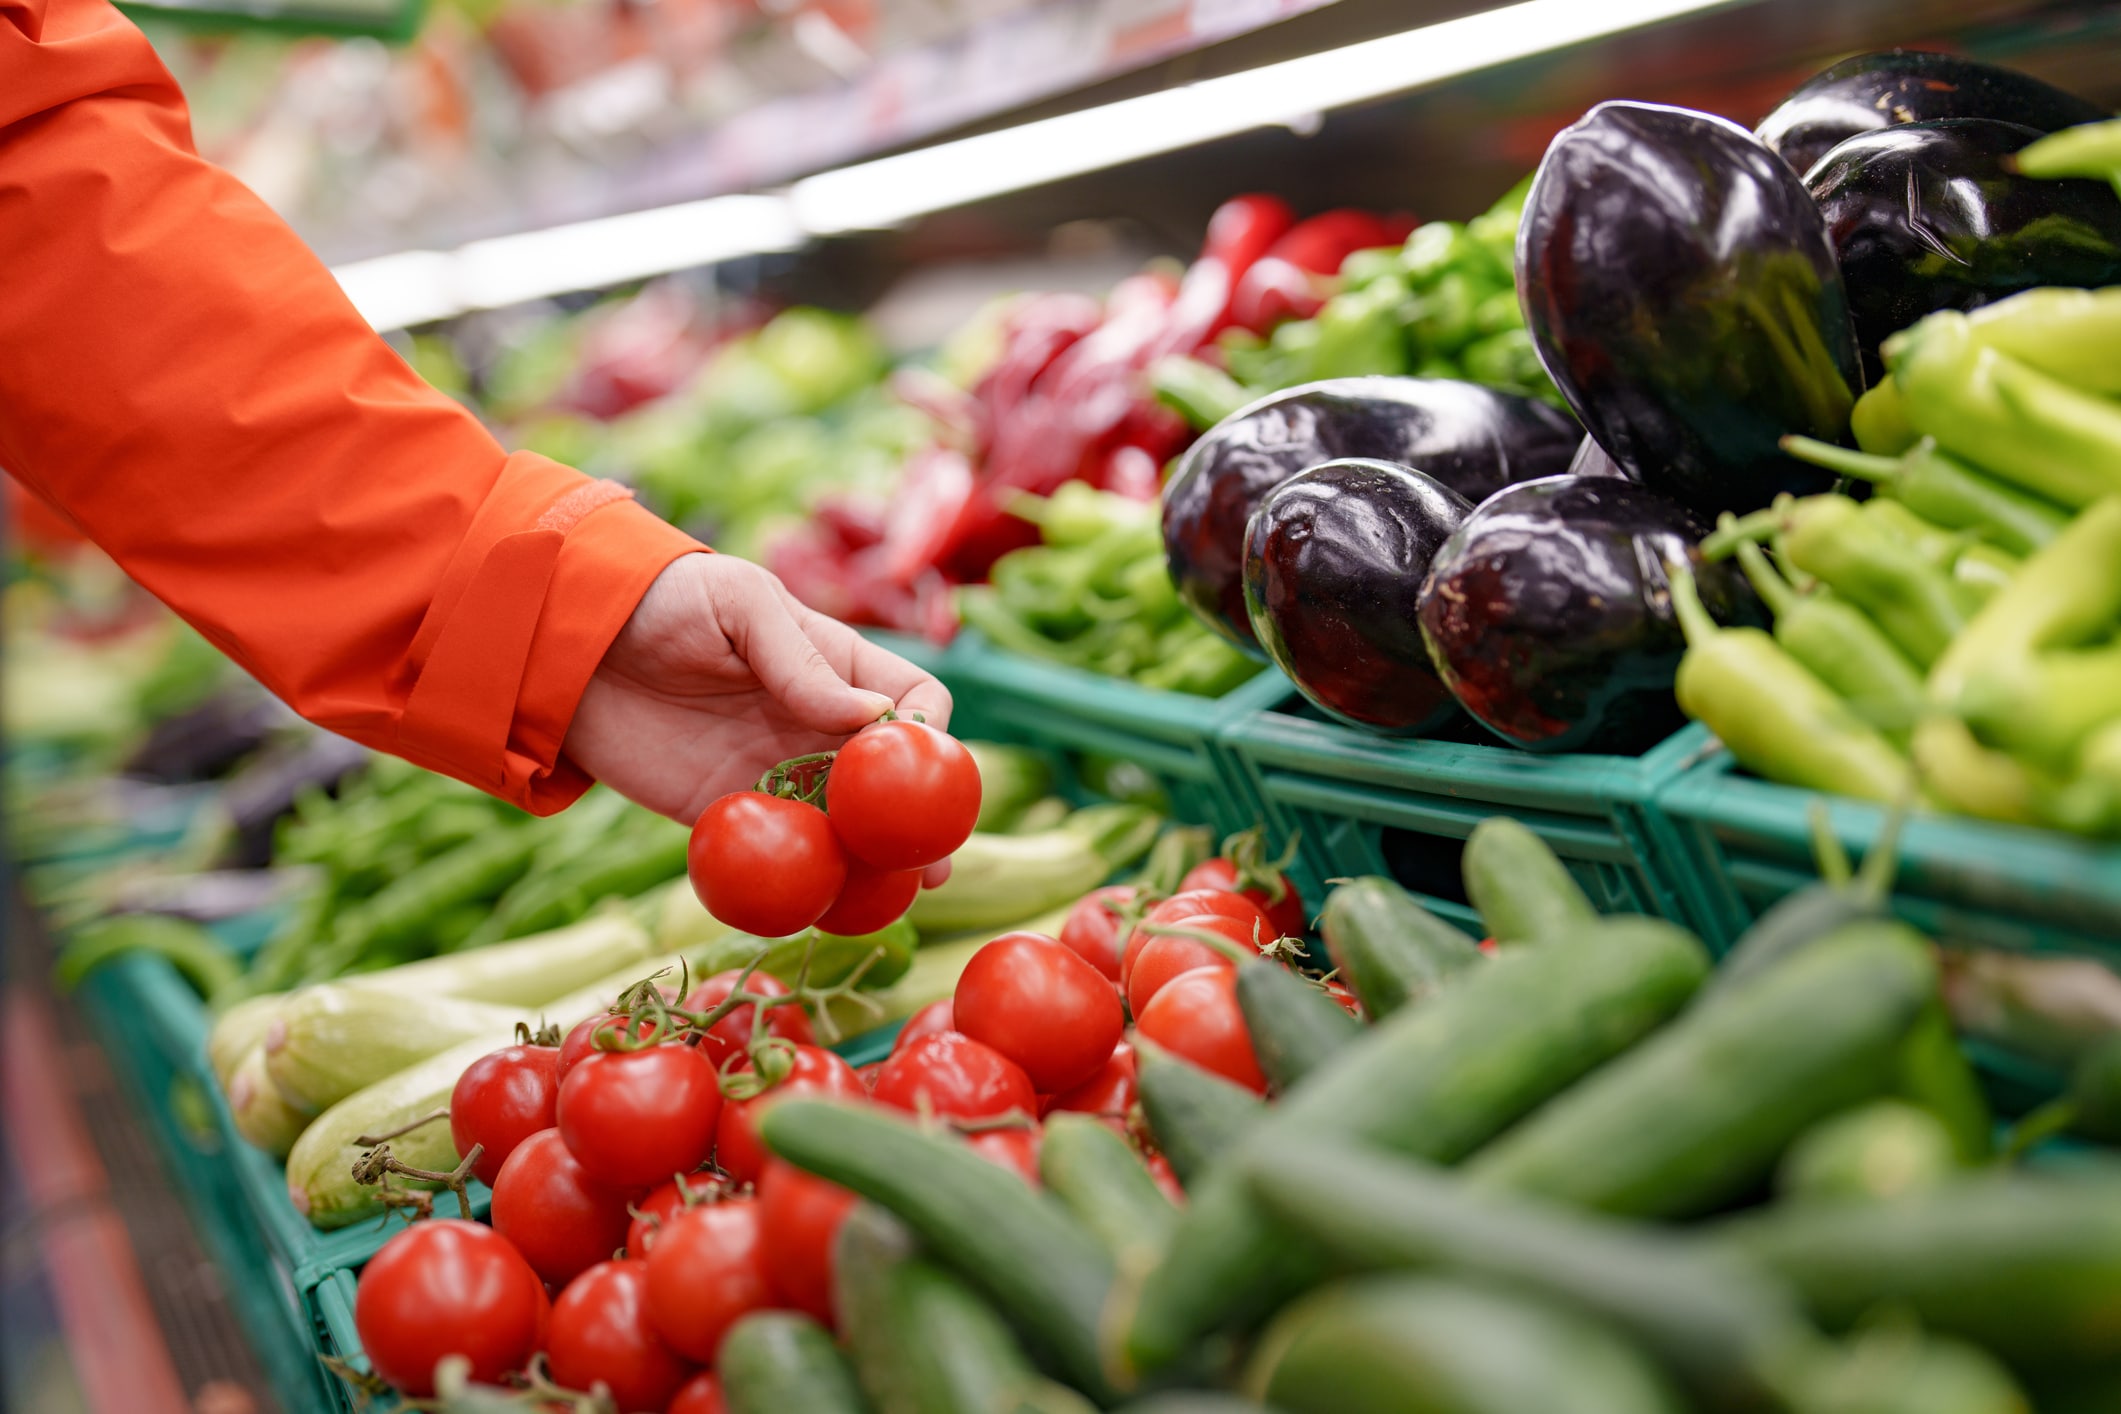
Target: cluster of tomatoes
898 797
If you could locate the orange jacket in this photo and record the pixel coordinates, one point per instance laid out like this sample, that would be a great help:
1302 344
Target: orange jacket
184 381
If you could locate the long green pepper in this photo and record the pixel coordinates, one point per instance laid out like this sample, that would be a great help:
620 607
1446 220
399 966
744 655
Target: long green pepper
1946 491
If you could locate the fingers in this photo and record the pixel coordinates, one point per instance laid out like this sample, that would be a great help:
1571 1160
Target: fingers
877 669
791 667
935 874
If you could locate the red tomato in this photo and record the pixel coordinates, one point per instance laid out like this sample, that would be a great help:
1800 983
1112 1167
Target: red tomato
636 1117
902 795
1286 913
731 1036
815 1072
765 865
601 1332
501 1100
1171 954
1013 1149
663 1203
1042 1006
448 1287
560 1219
799 1218
1192 903
1345 998
928 1021
1487 945
1196 1016
870 899
702 1394
1110 1092
956 1077
707 1270
1160 1169
1092 929
581 1041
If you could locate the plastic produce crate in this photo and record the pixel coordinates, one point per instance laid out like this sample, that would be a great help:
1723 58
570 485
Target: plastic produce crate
1360 803
1965 882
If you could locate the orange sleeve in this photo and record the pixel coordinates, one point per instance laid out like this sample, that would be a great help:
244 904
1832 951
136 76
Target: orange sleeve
185 382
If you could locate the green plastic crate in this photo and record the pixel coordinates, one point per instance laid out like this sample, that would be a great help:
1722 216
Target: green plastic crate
1360 803
1744 843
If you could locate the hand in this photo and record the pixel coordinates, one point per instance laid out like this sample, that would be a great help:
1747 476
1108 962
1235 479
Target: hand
720 674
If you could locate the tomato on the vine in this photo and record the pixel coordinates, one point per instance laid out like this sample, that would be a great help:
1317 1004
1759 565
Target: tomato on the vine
871 899
664 1202
1166 1177
1042 1006
1192 903
702 1394
1196 1016
1015 1149
601 1333
581 1043
707 1270
448 1287
903 795
1344 998
951 1075
1169 955
1092 929
799 1218
502 1099
1285 913
636 1117
764 864
731 1036
1108 1093
560 1219
813 1071
936 1017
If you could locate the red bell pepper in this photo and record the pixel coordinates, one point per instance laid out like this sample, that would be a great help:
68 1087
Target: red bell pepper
1292 280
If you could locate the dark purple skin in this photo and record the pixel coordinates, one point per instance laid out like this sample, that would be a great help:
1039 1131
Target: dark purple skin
1474 440
1548 613
1591 460
1928 216
1681 292
1334 560
1875 91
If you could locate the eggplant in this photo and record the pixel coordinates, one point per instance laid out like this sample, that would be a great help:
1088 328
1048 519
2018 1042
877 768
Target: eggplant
1548 614
1474 440
1875 91
1334 560
1681 291
1927 216
1592 460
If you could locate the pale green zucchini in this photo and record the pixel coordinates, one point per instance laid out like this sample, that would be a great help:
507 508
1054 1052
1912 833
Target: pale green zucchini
329 1041
263 1116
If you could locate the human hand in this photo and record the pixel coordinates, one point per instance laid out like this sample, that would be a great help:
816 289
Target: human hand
721 674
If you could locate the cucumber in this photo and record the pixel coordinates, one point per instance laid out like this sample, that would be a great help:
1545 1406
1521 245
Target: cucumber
1389 949
1435 1081
1042 1269
1897 1369
1102 1180
772 1362
1421 1345
1935 1075
329 1041
996 880
1733 1335
1521 889
921 1341
1885 1149
238 1031
1790 925
262 1115
1696 1115
2029 1269
1193 1115
1295 1026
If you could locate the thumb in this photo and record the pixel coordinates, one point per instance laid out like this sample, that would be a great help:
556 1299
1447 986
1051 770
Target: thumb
790 667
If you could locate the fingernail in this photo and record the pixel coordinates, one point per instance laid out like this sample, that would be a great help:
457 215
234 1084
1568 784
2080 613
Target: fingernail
875 704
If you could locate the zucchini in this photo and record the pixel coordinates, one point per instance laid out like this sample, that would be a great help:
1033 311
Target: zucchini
329 1041
1097 1174
1389 949
262 1115
1295 1026
930 976
996 880
1044 1272
922 1342
1435 1081
2029 1269
1520 887
1696 1115
203 959
1733 1335
238 1031
773 1362
1193 1114
1895 1368
1420 1345
1011 779
1885 1149
523 972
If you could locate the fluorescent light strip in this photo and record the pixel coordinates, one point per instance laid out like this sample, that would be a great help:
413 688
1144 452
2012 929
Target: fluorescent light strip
415 287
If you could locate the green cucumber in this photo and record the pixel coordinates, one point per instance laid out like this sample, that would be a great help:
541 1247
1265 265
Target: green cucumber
1041 1268
1295 1026
1885 1149
1086 1165
1520 887
921 1341
1696 1115
1388 948
1193 1115
772 1362
1733 1335
1791 925
1421 1345
1895 1368
2029 1269
1935 1075
1435 1081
